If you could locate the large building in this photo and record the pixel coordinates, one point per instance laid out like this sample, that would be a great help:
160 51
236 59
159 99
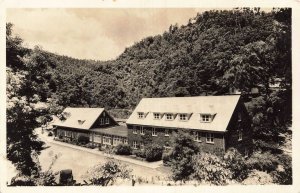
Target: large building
216 122
93 123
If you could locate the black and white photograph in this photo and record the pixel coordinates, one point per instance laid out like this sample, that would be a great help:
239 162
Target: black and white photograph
148 97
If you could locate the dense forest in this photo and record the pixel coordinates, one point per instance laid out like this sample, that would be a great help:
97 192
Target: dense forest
214 52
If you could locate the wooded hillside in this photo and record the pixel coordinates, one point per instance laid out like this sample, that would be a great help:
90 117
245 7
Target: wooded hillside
214 51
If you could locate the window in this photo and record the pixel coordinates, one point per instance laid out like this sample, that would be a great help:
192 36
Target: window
134 145
142 132
209 138
239 117
156 116
246 152
107 121
117 141
205 118
69 133
106 140
198 136
134 130
169 116
142 146
154 133
183 117
240 133
141 115
125 141
101 121
167 132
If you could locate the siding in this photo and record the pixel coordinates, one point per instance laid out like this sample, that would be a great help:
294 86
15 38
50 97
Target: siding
232 137
163 140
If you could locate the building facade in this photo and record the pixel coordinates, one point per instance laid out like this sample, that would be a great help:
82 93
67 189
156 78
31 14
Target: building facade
215 122
94 124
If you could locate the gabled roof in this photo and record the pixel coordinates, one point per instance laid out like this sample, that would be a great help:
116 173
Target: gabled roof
80 118
221 107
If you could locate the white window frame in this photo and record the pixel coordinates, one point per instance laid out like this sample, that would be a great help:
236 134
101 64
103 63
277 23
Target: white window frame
134 130
107 121
134 144
198 136
205 118
183 117
142 146
142 131
169 116
156 116
68 134
246 152
210 138
240 135
141 115
117 141
101 121
154 132
106 140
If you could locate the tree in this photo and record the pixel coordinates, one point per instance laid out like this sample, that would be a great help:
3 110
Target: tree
184 148
108 173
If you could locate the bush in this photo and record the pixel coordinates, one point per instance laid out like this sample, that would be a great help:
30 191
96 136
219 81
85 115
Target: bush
262 162
83 139
139 153
237 164
283 174
258 178
210 168
153 153
50 134
123 149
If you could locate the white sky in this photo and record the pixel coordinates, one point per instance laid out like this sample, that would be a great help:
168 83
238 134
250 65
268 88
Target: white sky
99 34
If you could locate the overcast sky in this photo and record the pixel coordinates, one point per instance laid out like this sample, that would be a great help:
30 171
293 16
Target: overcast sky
99 34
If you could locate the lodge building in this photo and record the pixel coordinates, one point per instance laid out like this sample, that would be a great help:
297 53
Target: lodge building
215 122
93 123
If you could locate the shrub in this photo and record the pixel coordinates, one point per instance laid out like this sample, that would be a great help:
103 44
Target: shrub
210 168
83 139
123 149
108 173
283 174
237 164
258 178
153 153
262 161
140 153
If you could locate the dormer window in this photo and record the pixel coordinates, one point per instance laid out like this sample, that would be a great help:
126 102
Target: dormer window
183 117
141 115
80 122
169 116
156 115
206 118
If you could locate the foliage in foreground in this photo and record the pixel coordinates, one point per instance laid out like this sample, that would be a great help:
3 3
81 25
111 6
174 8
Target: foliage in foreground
108 173
181 156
